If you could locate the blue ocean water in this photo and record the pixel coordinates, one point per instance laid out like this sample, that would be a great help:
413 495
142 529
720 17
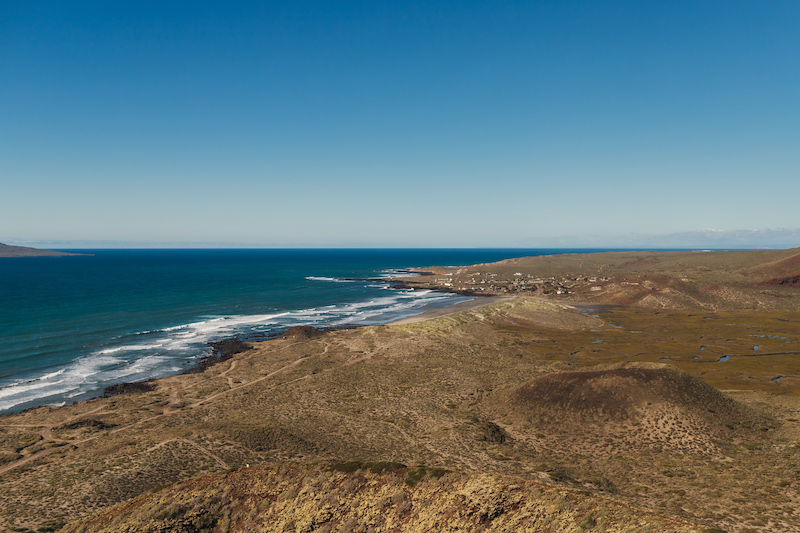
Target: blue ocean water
72 326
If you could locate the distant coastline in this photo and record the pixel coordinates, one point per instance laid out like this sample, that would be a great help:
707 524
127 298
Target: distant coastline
24 251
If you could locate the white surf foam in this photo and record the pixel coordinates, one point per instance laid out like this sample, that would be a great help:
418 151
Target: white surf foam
161 352
391 273
130 348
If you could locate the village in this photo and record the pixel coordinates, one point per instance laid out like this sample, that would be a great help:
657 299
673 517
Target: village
464 280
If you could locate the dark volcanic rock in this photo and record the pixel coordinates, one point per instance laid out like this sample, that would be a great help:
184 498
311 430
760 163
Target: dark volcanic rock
221 351
227 348
88 423
301 332
790 280
128 388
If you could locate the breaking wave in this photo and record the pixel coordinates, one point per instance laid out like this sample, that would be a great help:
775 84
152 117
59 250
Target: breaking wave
160 352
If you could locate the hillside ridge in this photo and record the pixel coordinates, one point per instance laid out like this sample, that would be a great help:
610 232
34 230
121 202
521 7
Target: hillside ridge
351 497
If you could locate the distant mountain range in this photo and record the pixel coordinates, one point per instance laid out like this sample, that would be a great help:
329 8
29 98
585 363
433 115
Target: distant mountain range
24 251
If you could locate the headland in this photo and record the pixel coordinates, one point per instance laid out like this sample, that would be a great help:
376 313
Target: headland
24 251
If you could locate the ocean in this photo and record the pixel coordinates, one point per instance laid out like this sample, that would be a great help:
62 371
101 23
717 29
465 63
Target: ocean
72 326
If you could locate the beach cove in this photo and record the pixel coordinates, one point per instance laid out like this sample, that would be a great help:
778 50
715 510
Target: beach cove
75 325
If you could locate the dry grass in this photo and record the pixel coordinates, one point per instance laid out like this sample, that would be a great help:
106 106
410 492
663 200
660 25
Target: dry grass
437 393
315 499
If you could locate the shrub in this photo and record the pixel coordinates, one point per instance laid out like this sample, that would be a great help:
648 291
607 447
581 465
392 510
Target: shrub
171 513
416 475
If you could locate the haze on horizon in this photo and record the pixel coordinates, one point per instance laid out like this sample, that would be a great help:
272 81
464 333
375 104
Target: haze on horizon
413 124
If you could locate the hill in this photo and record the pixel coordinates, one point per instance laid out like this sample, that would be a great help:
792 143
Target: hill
24 251
644 405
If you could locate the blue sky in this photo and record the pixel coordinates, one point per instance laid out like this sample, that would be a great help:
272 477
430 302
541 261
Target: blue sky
454 124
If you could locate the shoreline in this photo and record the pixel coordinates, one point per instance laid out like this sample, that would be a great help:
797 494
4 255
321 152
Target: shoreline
225 348
476 302
60 381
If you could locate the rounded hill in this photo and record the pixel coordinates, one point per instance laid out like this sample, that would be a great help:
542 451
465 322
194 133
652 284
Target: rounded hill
633 404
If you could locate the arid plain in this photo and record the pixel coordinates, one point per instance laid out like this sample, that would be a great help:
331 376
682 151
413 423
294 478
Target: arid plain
605 392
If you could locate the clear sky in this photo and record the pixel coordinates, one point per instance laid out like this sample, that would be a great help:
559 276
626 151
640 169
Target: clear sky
399 123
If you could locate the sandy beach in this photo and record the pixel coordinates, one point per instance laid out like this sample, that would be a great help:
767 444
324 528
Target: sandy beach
478 301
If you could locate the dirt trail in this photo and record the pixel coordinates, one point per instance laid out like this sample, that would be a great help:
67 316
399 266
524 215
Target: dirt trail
245 384
205 452
166 412
193 444
28 459
47 434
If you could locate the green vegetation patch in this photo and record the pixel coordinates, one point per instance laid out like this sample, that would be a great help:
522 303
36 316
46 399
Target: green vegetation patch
418 474
261 438
86 423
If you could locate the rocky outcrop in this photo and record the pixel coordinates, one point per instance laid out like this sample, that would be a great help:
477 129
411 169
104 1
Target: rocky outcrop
789 280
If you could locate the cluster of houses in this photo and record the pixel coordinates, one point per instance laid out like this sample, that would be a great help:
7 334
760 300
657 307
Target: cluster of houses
489 282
